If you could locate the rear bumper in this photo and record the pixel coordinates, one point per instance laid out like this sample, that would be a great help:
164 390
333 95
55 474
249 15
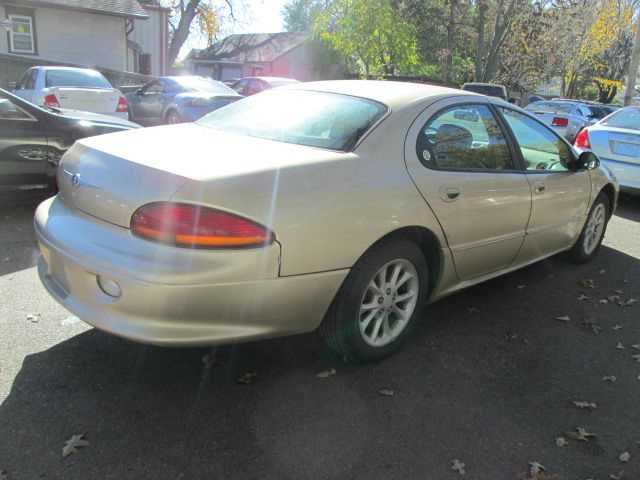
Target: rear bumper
171 301
627 174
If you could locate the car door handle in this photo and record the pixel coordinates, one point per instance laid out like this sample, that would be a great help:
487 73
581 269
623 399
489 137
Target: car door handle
539 187
449 194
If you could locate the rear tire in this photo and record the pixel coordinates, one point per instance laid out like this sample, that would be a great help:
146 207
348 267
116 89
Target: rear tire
592 234
172 118
376 308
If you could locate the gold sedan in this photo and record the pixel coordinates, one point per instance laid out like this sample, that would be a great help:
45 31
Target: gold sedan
341 205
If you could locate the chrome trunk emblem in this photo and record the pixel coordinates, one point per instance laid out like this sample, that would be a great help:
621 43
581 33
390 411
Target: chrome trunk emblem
77 180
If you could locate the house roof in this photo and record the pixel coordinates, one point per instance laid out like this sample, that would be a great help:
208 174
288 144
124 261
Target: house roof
250 47
120 8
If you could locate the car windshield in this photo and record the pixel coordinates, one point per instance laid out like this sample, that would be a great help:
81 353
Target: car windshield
628 117
75 78
485 90
551 107
314 119
203 85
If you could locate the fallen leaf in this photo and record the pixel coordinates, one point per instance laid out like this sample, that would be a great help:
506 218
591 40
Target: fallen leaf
619 476
565 318
4 475
589 405
536 468
603 300
613 298
561 442
210 361
609 378
624 457
521 286
6 259
70 320
628 303
247 377
34 317
619 292
580 434
429 344
582 296
326 373
472 310
386 393
619 346
458 466
636 346
593 325
617 327
73 444
636 357
601 271
587 283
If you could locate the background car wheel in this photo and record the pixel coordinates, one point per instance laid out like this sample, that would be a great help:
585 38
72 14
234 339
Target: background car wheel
592 233
376 307
172 118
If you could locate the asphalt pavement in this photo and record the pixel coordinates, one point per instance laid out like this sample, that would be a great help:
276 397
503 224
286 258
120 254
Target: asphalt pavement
489 379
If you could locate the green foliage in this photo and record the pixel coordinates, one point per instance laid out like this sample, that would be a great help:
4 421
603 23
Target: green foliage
374 40
299 15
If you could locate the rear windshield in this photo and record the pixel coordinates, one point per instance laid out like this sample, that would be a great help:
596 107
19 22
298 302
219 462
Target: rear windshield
314 119
75 78
551 107
485 90
628 117
200 84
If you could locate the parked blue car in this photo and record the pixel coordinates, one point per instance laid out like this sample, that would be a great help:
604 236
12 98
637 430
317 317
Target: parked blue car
178 99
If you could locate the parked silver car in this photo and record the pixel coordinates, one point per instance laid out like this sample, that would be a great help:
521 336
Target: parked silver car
567 118
342 205
616 141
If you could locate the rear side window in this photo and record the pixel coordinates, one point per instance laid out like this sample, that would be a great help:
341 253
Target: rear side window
464 137
489 90
75 78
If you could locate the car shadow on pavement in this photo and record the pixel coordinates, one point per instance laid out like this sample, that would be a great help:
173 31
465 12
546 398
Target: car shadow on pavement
488 378
629 207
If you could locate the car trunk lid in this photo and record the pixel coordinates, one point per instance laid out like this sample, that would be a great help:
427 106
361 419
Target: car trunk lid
616 144
117 173
99 100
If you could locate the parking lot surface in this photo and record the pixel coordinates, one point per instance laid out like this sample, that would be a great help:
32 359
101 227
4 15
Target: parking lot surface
489 379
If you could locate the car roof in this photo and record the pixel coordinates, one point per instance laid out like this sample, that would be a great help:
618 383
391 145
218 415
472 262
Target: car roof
266 79
392 94
53 67
481 84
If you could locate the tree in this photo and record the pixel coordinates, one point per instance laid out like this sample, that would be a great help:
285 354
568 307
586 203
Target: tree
207 15
299 15
633 67
370 34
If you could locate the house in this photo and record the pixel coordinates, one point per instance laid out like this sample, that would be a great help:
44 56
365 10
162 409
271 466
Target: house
285 54
121 35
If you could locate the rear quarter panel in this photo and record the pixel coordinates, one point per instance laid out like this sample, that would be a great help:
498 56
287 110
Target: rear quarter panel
327 214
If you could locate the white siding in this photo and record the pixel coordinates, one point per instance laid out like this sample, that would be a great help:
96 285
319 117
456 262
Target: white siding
149 34
78 37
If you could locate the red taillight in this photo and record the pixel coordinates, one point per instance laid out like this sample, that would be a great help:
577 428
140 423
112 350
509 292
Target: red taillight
582 139
51 101
196 226
122 105
559 122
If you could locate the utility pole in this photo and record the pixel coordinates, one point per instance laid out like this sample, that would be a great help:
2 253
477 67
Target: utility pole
633 67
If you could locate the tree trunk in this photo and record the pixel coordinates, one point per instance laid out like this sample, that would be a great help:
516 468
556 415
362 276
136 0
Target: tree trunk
482 11
181 33
632 73
448 71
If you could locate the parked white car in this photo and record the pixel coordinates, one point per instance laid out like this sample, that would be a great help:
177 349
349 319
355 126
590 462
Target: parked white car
616 141
71 88
566 117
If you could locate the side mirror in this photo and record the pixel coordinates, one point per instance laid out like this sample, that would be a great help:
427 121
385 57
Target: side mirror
13 85
512 100
588 160
139 92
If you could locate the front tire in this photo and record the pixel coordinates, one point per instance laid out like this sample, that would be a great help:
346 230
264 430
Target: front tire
172 118
376 308
593 231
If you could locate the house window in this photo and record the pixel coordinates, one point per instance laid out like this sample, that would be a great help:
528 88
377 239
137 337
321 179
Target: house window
21 35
